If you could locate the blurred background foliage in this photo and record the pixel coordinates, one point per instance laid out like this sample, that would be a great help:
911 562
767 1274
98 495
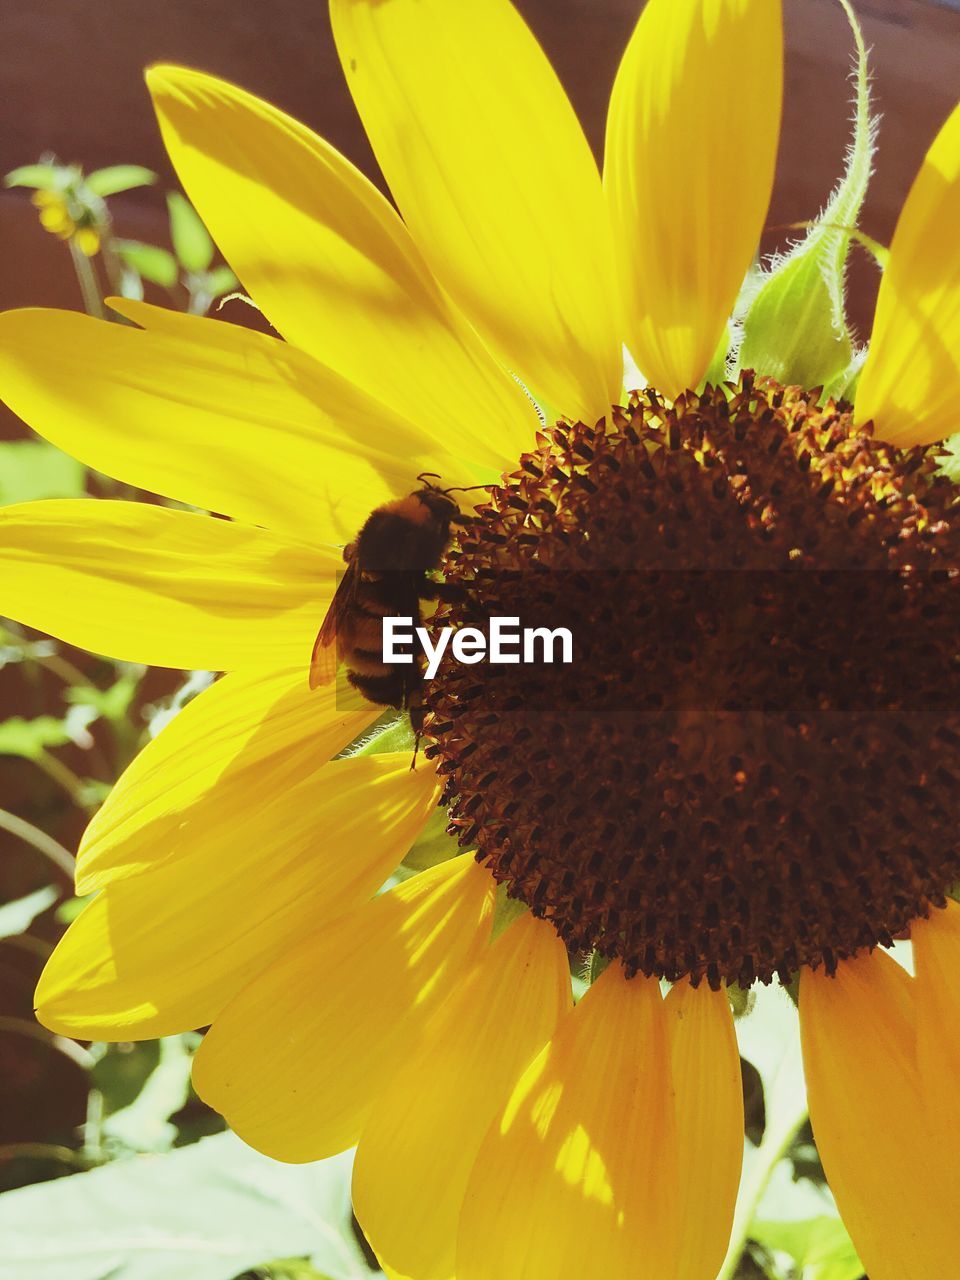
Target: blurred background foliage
109 1165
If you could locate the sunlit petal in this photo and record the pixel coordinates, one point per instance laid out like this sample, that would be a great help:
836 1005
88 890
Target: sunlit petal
331 1021
331 264
709 1106
859 1055
419 1145
169 588
251 734
216 416
491 171
910 385
579 1175
165 950
936 949
691 148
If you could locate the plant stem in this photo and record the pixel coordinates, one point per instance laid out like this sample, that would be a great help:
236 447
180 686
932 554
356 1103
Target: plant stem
39 840
776 1143
41 1151
61 668
93 1128
111 262
199 303
92 303
64 777
26 942
33 1031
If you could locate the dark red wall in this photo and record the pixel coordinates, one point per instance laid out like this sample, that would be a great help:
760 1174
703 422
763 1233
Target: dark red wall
70 81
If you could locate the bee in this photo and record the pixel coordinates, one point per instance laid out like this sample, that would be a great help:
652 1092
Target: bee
386 576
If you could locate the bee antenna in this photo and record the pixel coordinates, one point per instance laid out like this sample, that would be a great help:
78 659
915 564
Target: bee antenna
461 488
428 475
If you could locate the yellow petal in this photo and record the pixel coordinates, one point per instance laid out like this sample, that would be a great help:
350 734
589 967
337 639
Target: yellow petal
690 155
867 1107
331 264
250 734
217 416
709 1108
491 171
330 1022
168 588
420 1143
936 950
166 950
910 385
579 1176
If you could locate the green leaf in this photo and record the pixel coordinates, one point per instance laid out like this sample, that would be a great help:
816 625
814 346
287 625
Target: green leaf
31 469
191 240
820 1247
119 177
17 917
205 1212
31 738
220 281
68 911
42 176
157 265
144 1124
795 328
112 704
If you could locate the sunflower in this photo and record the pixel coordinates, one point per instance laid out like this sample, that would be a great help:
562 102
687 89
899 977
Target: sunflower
704 803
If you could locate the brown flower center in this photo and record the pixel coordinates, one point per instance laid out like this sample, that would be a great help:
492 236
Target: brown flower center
752 763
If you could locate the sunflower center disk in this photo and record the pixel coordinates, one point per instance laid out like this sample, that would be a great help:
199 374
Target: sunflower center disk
753 762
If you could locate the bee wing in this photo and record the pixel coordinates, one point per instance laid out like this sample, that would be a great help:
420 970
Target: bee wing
325 659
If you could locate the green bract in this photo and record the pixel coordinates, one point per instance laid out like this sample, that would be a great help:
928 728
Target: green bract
795 327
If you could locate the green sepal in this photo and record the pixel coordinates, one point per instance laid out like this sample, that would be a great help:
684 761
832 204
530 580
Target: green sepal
433 845
505 911
788 333
844 385
741 999
795 327
717 371
390 733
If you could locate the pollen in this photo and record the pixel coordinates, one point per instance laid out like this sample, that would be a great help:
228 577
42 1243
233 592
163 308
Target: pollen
753 761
